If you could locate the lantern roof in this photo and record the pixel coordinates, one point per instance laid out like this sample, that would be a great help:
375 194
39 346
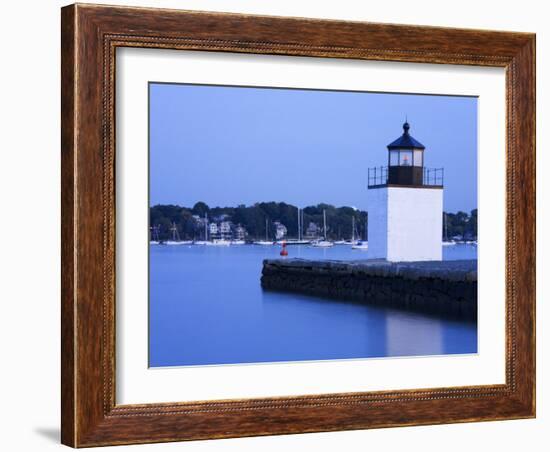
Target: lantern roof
406 141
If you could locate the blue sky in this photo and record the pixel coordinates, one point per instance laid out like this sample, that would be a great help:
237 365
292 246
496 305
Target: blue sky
238 145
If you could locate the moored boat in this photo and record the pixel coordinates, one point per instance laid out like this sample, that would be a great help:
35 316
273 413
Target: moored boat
265 242
294 242
219 242
322 244
353 240
360 245
178 242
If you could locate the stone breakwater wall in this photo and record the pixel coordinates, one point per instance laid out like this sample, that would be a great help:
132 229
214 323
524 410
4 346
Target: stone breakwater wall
445 288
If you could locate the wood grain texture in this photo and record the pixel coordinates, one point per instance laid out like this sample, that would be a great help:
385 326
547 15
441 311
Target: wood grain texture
90 36
68 310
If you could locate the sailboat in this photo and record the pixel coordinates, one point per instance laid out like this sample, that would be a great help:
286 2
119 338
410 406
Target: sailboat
219 242
176 237
340 241
299 240
353 241
154 240
205 241
361 245
323 243
265 242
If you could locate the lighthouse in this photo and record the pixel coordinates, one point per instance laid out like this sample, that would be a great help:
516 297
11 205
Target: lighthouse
405 204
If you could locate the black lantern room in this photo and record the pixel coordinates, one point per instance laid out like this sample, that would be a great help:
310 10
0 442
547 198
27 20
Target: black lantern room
405 160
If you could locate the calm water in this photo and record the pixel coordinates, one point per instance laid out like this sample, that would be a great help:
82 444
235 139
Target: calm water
207 307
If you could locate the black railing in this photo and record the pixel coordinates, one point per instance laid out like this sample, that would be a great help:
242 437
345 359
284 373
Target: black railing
378 176
433 177
430 176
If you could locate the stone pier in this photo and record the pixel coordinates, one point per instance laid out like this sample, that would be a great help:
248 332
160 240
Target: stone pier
444 288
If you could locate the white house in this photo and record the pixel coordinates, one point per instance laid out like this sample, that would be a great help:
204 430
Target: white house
280 230
312 231
213 229
240 232
225 229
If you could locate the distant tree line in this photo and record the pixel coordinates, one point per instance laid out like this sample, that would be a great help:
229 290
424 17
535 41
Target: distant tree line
460 225
253 219
190 225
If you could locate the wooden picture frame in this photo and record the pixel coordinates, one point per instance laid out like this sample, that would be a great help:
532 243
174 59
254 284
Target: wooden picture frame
90 36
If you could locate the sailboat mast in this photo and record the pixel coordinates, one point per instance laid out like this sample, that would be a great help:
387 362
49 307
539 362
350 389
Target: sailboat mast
174 231
352 229
298 223
266 229
325 224
205 228
301 223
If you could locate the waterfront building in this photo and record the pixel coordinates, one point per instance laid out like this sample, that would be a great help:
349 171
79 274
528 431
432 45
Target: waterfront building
213 230
225 230
280 230
199 222
240 232
405 205
312 231
198 219
221 217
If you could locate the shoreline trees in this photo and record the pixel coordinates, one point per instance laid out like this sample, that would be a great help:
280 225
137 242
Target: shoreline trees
190 220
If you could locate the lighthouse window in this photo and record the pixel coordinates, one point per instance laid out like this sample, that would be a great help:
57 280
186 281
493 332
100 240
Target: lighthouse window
418 158
394 158
405 158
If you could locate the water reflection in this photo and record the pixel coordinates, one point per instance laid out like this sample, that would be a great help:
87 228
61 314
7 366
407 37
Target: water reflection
207 307
408 334
310 328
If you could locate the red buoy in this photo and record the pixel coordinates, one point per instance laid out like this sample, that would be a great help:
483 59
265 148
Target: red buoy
284 252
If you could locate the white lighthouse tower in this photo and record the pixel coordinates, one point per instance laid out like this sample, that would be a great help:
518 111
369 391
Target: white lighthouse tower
405 205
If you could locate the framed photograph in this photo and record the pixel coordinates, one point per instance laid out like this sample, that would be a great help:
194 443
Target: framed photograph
280 225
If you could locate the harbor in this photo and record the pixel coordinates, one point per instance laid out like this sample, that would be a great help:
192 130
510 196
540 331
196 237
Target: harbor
330 266
398 258
219 289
